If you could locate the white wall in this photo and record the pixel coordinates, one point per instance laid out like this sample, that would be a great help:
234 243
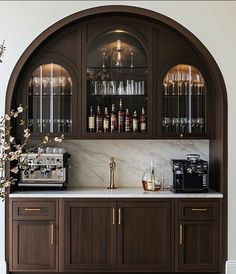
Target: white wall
213 22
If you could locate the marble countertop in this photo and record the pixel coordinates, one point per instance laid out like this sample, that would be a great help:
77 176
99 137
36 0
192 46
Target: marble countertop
95 192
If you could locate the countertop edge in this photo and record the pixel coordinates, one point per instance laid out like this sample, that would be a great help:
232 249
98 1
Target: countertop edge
97 193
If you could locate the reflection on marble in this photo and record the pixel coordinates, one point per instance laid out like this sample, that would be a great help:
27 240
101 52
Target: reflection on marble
90 159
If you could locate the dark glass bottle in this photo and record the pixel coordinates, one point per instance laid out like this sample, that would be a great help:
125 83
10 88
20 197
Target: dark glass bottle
98 120
113 119
143 121
91 120
120 118
106 120
135 122
127 121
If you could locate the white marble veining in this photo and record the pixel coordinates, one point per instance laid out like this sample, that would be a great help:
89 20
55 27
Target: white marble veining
90 159
85 192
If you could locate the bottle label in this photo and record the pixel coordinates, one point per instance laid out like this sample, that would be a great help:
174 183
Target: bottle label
105 124
135 125
99 124
143 126
113 123
91 123
121 122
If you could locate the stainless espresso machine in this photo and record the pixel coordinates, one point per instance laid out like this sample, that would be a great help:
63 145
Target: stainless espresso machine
44 170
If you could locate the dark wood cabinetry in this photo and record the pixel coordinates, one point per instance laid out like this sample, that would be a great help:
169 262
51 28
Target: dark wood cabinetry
89 236
145 235
168 44
162 235
33 236
198 236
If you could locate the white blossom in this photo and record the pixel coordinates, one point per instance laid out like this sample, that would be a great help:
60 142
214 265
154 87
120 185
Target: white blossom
7 117
12 139
20 109
15 114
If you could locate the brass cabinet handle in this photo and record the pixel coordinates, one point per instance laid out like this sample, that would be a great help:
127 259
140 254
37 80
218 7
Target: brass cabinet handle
180 234
52 234
32 209
199 209
113 216
119 217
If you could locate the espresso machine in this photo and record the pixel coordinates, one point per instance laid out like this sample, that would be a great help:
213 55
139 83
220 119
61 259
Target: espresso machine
44 170
191 175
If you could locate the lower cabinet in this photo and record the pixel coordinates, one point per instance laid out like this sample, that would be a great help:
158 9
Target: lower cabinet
33 245
33 236
198 236
100 235
89 236
145 235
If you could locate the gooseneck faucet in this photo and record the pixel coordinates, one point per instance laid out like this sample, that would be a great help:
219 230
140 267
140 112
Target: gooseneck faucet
112 173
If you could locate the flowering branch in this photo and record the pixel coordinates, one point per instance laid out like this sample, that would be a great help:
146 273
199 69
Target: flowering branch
2 49
10 151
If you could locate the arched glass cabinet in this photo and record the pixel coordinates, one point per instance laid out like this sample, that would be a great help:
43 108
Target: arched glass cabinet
184 104
50 100
117 88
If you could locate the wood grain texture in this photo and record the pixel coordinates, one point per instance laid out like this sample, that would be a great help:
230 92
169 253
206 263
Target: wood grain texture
90 235
144 236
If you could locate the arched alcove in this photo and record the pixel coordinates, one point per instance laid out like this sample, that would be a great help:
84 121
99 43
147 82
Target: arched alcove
218 147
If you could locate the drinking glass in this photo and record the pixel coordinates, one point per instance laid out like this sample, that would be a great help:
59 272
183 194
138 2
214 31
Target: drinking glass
121 88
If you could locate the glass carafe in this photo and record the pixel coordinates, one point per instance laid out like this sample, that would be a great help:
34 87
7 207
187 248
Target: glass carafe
149 180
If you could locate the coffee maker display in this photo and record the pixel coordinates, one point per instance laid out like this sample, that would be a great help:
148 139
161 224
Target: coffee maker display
190 176
44 169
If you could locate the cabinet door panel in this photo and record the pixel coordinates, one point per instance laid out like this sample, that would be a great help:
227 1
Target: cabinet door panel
198 246
89 235
34 245
145 236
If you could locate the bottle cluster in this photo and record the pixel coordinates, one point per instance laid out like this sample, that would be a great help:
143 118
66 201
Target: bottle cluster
120 121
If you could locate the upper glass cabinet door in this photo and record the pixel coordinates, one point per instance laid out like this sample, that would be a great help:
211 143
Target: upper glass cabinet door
184 104
117 71
50 100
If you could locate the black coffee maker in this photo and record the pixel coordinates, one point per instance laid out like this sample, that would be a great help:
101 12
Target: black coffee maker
190 176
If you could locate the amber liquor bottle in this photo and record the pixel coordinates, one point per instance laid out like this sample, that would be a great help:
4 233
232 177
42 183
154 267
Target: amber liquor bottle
91 120
120 118
98 120
106 120
135 122
113 119
127 121
143 121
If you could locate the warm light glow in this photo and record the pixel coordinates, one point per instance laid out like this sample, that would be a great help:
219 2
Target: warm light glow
118 45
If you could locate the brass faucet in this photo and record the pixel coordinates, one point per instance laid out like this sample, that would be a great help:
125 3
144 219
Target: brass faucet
112 173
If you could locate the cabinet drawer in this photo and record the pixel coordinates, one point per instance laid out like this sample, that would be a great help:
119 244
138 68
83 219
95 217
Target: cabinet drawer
33 210
198 210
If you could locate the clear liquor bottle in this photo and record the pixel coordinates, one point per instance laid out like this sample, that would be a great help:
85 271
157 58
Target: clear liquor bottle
98 120
135 122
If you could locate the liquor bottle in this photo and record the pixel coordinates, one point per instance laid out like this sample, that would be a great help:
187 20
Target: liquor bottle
113 119
91 120
98 120
127 121
120 118
135 122
143 121
106 120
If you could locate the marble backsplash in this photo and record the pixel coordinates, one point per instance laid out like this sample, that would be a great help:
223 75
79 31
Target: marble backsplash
90 159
